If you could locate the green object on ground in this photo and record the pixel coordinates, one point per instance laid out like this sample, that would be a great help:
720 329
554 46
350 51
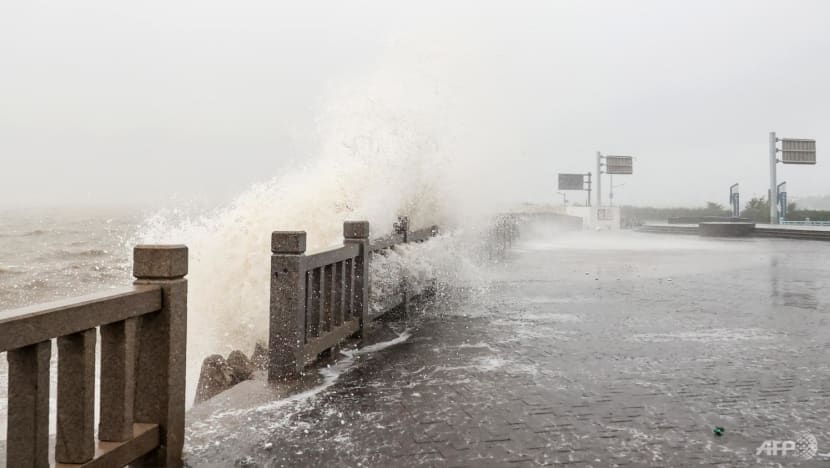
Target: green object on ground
718 430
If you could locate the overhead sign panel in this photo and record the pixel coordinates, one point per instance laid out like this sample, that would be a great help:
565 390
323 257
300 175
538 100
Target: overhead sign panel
798 151
571 181
619 165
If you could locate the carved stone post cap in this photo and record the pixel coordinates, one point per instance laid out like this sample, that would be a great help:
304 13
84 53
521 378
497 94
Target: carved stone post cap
288 242
356 229
159 261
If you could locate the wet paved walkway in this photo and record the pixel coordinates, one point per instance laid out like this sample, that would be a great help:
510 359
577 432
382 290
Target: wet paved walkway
586 350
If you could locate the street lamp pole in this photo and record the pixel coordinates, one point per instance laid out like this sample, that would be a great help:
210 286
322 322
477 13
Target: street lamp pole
611 190
599 179
773 181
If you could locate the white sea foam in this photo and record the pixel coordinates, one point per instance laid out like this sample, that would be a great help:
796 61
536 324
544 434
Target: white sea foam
280 411
384 151
705 336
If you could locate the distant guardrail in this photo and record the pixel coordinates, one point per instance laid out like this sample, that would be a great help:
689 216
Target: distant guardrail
707 219
778 232
806 223
142 382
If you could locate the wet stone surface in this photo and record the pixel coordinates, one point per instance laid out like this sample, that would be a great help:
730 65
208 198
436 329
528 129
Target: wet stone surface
588 350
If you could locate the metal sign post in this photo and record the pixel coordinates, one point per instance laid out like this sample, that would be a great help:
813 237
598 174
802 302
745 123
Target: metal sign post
735 200
773 183
588 203
610 189
793 151
599 179
782 201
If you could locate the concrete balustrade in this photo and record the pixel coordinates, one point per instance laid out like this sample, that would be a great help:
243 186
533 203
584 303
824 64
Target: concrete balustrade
502 235
320 299
317 300
143 345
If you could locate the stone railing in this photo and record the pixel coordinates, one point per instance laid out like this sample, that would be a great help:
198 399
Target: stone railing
142 381
399 299
402 235
502 235
319 299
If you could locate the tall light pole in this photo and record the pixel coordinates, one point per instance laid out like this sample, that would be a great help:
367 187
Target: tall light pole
773 182
599 179
611 187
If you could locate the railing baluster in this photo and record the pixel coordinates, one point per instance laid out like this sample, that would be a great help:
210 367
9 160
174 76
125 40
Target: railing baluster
118 348
309 303
339 268
75 442
348 294
314 309
27 431
321 305
308 292
328 298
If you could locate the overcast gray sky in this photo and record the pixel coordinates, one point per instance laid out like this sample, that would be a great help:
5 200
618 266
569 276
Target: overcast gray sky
164 102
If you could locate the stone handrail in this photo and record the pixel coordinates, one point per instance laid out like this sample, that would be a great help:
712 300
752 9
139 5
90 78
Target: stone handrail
503 234
318 299
383 245
142 382
387 242
422 235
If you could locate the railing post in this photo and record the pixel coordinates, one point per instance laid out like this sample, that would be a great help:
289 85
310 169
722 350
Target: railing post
162 344
75 441
27 430
286 336
402 227
118 350
357 232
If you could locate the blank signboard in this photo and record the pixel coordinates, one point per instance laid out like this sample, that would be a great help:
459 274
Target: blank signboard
571 181
797 151
619 165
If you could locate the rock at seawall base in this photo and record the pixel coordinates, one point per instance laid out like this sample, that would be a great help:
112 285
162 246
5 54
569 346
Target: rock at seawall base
216 377
219 374
241 367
